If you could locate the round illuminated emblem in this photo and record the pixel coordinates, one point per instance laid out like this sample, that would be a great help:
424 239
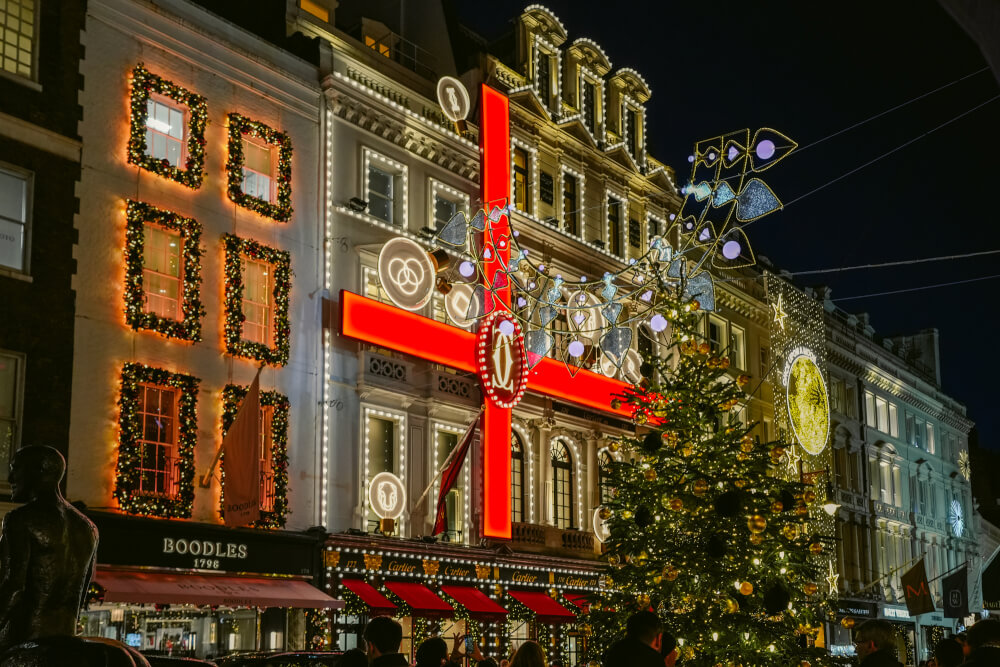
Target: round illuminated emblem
459 304
453 98
601 530
503 364
956 518
808 405
406 273
386 495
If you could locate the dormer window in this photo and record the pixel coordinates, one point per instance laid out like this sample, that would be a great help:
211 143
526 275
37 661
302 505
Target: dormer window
632 138
589 110
543 77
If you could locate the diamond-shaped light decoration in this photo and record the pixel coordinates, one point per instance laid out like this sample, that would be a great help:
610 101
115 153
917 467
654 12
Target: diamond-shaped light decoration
455 233
756 201
537 344
615 344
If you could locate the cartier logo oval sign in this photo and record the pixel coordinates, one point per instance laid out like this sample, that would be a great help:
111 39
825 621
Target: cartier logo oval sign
503 365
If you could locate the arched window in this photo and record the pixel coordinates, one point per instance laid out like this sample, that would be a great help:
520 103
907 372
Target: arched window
562 485
516 478
603 469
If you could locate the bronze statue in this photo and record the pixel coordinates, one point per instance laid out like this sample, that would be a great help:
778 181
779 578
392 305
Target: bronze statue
48 551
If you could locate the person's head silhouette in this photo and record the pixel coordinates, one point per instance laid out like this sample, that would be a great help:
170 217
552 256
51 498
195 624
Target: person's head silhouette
35 471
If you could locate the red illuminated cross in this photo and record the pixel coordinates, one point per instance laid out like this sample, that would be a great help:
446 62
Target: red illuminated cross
397 329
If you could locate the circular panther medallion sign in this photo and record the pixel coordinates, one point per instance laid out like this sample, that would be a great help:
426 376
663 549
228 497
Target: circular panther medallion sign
502 362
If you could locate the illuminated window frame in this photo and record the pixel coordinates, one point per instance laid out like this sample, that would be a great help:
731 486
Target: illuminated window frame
661 227
631 104
243 129
444 427
18 75
589 77
529 489
400 174
400 453
581 222
277 353
542 46
532 155
448 193
574 451
622 219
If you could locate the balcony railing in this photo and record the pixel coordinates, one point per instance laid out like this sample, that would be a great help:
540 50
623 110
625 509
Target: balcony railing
267 492
539 538
400 50
159 476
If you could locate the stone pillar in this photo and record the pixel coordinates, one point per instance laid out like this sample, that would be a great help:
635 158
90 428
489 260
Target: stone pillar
543 504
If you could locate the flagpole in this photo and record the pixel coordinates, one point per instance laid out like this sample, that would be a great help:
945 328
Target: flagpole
206 480
892 572
447 462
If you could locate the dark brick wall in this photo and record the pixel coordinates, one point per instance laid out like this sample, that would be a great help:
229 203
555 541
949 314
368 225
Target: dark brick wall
55 107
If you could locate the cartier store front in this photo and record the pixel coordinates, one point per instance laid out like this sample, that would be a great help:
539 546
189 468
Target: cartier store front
197 590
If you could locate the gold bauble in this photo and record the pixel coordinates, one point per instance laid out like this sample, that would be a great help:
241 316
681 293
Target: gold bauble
743 380
809 588
815 548
746 588
650 475
689 347
700 487
847 622
756 524
676 504
790 531
643 601
713 362
687 450
746 447
614 446
801 510
777 507
613 560
756 540
739 483
604 513
695 304
626 514
704 348
640 418
641 559
669 438
747 440
730 606
809 496
742 456
616 404
777 453
724 363
670 573
688 652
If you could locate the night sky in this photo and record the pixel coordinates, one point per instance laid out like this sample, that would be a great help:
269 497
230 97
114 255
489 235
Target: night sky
724 65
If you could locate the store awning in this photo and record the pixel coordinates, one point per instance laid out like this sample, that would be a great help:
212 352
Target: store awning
480 606
579 600
421 599
546 609
167 588
379 604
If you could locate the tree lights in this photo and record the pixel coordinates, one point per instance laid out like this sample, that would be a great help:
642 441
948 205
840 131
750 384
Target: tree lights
138 215
239 126
136 457
236 249
146 85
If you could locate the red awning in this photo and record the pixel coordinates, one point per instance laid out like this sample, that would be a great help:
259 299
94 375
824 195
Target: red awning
198 589
546 609
421 599
580 600
378 603
480 606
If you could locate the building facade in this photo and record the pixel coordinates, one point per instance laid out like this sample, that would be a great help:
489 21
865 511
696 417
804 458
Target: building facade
199 260
39 165
901 474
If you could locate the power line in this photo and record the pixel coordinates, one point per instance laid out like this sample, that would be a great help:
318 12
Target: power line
917 289
904 262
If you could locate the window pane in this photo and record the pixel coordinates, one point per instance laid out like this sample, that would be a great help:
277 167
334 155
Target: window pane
381 445
8 385
13 196
257 157
737 347
173 152
11 244
444 211
176 121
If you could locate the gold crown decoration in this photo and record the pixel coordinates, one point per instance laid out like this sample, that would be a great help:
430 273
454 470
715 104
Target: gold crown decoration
431 567
373 562
482 571
331 558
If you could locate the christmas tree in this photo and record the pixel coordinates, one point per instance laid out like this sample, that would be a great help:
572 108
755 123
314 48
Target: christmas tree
705 528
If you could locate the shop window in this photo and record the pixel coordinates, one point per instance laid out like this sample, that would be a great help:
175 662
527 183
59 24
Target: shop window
571 205
615 225
162 268
562 485
516 478
15 189
522 187
19 37
604 461
11 397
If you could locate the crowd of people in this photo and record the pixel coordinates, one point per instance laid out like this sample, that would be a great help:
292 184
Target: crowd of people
646 644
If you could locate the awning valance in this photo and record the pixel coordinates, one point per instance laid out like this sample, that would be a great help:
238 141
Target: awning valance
379 604
142 587
546 609
421 599
480 606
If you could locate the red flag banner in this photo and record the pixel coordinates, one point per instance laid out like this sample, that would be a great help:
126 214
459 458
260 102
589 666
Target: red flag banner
450 476
916 592
241 446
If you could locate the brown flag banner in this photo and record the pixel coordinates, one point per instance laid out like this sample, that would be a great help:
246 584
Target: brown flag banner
241 447
916 591
450 476
956 594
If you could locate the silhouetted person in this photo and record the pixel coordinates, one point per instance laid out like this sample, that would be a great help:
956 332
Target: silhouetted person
875 642
984 644
948 653
641 646
383 637
48 551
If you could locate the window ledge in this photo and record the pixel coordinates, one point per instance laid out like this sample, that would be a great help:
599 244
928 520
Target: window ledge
16 275
28 83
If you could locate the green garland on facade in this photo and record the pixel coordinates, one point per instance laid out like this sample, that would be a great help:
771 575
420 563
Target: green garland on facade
127 491
137 215
238 126
144 85
231 396
280 261
318 637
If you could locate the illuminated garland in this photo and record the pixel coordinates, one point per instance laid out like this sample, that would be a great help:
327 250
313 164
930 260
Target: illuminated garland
318 636
129 449
280 262
144 85
231 396
137 215
238 126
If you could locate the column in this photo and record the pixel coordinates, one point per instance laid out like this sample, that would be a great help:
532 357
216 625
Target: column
543 503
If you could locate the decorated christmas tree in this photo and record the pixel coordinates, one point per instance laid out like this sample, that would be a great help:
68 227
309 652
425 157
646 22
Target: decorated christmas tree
709 527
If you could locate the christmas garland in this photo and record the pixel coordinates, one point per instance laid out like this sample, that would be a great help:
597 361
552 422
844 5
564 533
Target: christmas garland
144 85
137 215
127 492
318 637
231 396
238 126
280 262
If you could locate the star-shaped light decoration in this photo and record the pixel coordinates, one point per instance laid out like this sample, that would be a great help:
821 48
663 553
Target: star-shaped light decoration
779 312
831 580
965 465
793 461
